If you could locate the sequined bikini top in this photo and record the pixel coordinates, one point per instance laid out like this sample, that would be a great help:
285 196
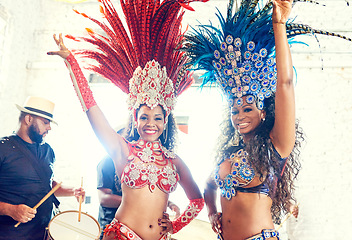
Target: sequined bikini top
240 176
149 163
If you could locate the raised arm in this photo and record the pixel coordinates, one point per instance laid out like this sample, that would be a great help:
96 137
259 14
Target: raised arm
113 142
283 132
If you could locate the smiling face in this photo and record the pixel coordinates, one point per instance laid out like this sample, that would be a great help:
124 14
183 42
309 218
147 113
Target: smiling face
246 118
150 123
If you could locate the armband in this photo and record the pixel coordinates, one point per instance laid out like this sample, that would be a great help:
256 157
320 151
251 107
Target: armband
192 211
80 83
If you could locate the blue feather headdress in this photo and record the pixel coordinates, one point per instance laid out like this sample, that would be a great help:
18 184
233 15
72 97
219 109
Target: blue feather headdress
240 55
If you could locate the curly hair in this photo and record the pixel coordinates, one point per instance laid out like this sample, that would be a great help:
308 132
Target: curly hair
264 158
167 139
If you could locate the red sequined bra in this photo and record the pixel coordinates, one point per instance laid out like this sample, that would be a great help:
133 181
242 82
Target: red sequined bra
149 163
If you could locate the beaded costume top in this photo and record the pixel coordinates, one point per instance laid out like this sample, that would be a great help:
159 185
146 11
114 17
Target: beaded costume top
242 174
149 163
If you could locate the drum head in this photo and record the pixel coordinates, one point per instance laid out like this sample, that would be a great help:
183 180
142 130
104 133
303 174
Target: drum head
65 226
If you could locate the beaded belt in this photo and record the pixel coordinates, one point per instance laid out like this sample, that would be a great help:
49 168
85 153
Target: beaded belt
265 234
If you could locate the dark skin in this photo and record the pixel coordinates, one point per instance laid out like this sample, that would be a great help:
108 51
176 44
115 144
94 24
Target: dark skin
21 212
246 214
148 222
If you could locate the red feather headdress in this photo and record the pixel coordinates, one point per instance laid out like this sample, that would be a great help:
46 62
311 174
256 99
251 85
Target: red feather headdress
144 61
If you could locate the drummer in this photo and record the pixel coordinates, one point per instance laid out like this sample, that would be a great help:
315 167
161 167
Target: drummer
26 174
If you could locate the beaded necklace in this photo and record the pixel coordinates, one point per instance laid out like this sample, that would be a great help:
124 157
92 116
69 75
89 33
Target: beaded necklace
151 168
151 152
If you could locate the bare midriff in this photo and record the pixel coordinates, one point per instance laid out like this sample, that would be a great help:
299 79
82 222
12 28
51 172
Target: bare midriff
140 210
245 215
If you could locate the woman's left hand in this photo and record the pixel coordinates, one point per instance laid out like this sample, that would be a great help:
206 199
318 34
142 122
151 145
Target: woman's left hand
165 223
215 221
281 10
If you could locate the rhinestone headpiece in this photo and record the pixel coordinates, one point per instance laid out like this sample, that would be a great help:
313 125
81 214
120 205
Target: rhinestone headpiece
151 86
250 72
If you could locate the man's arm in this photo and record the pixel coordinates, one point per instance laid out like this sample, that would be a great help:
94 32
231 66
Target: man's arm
65 191
108 199
21 213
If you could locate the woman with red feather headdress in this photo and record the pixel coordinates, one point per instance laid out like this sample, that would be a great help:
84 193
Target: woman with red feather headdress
144 63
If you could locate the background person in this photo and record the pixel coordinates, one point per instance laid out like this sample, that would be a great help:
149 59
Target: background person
26 174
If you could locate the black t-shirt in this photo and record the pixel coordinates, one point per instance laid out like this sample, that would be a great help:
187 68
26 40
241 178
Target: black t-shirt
106 178
21 184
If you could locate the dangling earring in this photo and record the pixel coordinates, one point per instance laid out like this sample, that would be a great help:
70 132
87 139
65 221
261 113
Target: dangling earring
262 117
236 138
132 130
165 133
133 127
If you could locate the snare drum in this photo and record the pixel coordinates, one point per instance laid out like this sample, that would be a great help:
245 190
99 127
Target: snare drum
65 226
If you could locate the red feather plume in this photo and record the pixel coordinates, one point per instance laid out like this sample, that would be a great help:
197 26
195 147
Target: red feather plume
154 32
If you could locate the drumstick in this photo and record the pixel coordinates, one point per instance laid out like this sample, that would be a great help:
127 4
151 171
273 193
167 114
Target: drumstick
288 215
57 186
80 202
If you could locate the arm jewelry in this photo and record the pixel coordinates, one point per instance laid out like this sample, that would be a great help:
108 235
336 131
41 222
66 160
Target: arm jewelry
80 83
193 208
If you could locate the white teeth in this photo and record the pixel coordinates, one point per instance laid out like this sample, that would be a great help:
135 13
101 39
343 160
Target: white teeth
150 131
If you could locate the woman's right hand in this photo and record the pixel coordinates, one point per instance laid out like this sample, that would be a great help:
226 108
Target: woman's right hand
63 51
215 221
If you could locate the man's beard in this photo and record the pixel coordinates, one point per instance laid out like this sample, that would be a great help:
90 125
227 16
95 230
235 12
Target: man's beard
33 134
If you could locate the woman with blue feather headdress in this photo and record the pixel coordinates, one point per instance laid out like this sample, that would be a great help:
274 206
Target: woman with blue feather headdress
249 58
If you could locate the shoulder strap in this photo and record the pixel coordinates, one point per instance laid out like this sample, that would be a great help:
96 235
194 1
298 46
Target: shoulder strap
33 160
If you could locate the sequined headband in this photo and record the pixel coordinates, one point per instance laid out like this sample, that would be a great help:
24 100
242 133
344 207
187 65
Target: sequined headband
151 86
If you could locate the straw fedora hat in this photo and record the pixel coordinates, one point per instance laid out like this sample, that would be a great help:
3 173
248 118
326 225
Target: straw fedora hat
38 106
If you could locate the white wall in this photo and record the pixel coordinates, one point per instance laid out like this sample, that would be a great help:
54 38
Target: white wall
324 107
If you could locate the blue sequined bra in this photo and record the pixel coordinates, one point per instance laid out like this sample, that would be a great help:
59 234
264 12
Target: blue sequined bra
240 176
